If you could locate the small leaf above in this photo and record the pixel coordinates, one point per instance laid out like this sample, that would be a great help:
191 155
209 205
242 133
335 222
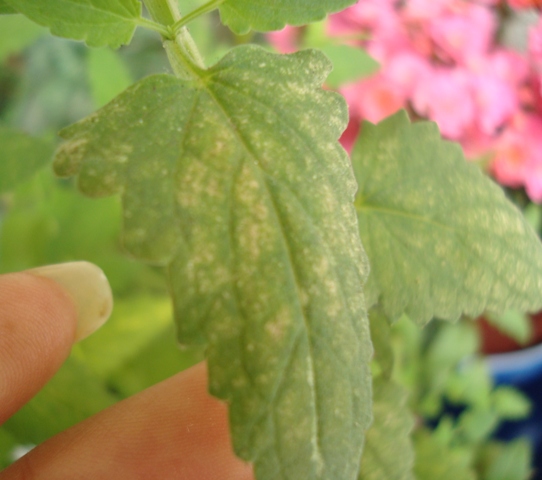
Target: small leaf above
441 238
237 182
21 156
389 452
97 22
5 9
264 16
16 33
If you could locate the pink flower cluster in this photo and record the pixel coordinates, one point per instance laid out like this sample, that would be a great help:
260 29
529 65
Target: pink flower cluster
440 59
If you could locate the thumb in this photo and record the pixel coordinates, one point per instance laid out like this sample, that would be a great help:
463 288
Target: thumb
42 312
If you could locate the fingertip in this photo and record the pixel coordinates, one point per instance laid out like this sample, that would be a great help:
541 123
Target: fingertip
87 285
37 328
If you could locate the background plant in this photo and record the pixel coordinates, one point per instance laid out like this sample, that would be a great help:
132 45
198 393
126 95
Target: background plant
463 64
231 177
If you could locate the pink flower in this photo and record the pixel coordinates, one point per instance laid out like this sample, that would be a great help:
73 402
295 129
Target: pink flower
518 156
445 97
495 102
536 91
533 182
467 33
285 40
374 98
521 4
349 136
475 143
508 165
377 19
505 64
406 69
424 10
371 15
535 45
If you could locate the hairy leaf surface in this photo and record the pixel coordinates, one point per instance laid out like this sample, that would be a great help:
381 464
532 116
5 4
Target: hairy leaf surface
97 22
21 156
388 452
441 237
237 182
263 15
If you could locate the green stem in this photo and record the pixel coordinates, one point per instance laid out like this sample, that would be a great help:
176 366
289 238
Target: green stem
182 52
163 11
157 27
206 8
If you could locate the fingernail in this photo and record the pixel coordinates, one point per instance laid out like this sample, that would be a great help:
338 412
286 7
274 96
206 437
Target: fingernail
87 285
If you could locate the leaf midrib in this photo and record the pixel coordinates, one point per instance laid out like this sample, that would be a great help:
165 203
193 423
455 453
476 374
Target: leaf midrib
403 214
236 132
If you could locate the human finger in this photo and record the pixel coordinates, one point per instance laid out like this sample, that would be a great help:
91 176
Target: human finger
174 430
42 312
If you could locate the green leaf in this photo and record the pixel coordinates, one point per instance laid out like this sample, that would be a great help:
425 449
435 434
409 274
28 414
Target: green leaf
436 461
381 338
265 266
470 384
477 424
450 344
160 359
5 9
388 453
513 323
441 237
16 33
103 353
507 461
21 156
7 445
108 76
73 395
264 16
97 22
510 404
533 215
349 64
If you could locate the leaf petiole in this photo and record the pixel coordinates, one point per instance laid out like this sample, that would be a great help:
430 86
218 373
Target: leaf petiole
205 8
181 50
166 32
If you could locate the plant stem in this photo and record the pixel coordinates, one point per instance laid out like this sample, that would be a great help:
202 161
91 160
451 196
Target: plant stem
182 52
163 11
157 27
207 7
